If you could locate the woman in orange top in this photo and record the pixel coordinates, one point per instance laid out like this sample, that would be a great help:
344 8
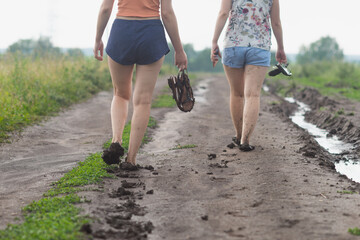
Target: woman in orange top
137 38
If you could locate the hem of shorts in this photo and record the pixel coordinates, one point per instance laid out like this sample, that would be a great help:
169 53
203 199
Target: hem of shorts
154 59
245 65
247 47
117 60
146 63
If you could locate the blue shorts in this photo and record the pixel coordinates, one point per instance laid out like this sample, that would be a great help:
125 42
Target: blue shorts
238 57
137 41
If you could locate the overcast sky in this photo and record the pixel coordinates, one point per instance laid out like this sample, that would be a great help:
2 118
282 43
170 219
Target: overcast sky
71 23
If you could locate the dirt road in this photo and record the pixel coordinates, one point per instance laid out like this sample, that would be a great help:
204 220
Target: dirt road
212 191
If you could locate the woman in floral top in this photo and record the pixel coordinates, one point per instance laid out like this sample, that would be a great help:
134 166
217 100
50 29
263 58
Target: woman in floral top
246 57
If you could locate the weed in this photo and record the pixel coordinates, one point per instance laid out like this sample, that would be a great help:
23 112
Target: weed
274 103
347 192
183 147
354 231
341 111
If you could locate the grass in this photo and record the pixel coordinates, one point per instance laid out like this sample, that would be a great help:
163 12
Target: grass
330 78
164 101
31 89
183 146
56 216
354 231
49 218
347 192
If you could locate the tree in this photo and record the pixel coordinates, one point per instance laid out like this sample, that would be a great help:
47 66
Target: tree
35 48
325 49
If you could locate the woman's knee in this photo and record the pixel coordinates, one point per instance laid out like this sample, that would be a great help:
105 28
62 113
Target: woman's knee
123 93
142 99
252 94
237 93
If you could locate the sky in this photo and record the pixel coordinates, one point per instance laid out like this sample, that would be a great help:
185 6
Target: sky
72 23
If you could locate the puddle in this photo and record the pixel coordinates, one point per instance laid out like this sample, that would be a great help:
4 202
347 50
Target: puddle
345 165
201 90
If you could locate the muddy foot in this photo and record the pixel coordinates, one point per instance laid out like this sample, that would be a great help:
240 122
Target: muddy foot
246 147
128 166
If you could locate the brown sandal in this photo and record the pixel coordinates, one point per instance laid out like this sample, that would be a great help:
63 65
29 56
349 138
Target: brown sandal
182 91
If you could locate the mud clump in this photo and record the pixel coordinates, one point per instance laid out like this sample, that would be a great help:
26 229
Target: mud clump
218 165
211 156
117 222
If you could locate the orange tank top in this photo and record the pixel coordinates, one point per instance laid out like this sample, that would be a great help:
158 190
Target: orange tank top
138 8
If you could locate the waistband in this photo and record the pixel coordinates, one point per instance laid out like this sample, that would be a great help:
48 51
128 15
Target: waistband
138 18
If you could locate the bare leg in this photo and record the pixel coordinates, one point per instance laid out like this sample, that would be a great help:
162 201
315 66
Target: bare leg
121 76
146 76
235 77
254 78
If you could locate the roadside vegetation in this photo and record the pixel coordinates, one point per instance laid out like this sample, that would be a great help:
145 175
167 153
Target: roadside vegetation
321 65
37 80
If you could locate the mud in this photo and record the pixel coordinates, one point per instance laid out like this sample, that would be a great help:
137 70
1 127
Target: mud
116 221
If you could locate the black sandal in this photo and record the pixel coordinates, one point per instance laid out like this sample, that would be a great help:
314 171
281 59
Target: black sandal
246 147
236 141
280 68
113 153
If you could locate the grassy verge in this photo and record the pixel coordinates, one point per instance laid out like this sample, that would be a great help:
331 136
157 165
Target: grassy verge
56 215
31 89
330 78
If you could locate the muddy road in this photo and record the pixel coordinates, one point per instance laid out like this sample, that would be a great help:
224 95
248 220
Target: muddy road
286 189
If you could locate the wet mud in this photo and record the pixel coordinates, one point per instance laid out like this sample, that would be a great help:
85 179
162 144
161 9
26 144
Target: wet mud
116 220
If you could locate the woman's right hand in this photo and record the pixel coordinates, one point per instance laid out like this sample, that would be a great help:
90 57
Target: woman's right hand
181 60
99 50
215 54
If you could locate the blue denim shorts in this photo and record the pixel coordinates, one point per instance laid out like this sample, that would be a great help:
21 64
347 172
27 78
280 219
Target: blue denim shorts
137 41
238 57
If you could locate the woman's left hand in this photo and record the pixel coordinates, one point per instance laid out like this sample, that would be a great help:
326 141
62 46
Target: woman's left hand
99 50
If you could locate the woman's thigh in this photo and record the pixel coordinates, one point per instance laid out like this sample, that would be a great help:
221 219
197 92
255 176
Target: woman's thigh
146 76
254 78
235 77
121 76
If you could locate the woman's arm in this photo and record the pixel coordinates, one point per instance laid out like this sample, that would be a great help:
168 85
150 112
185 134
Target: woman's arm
220 23
171 26
277 29
103 18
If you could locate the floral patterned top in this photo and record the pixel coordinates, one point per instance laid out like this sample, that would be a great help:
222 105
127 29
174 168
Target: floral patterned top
249 24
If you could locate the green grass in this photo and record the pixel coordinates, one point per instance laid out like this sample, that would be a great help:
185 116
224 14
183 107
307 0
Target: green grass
354 231
31 89
56 215
347 192
330 78
49 218
183 146
90 171
164 101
